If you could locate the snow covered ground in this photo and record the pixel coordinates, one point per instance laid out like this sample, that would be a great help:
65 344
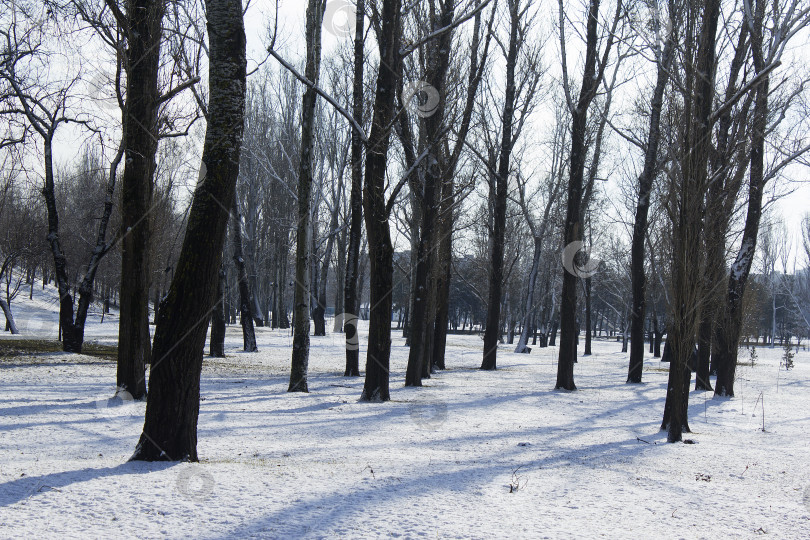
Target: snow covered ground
435 462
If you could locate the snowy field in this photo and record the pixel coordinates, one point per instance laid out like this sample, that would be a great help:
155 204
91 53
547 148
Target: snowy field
470 455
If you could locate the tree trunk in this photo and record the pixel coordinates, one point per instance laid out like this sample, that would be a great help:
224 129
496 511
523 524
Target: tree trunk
493 328
340 282
381 251
731 322
645 183
300 352
529 305
573 226
719 208
140 137
444 256
355 203
10 325
173 404
320 308
686 256
587 316
217 345
245 304
423 313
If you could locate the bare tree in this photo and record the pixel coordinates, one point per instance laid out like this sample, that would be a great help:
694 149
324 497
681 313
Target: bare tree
519 94
300 353
788 21
170 428
593 74
46 105
664 54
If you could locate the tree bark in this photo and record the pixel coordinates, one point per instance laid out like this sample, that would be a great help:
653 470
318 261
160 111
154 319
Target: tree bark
376 387
144 39
645 183
340 282
686 256
445 248
10 324
731 323
320 307
173 403
245 303
422 321
720 203
573 226
492 331
300 352
355 203
217 345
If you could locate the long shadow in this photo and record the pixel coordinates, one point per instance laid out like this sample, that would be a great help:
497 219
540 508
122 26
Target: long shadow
24 487
343 504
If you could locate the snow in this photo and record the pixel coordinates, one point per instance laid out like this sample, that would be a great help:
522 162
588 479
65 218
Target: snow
435 461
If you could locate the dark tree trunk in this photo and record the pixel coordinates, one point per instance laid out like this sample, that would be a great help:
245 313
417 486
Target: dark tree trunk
492 333
340 282
645 183
587 316
573 226
355 204
731 322
10 325
443 272
320 307
529 305
300 352
686 256
70 340
702 381
173 404
445 247
381 251
719 207
553 338
420 358
140 139
659 337
217 345
245 303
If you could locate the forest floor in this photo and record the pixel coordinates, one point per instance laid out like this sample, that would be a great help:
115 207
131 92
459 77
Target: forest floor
472 454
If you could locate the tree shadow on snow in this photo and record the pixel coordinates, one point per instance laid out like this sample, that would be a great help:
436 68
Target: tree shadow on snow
25 487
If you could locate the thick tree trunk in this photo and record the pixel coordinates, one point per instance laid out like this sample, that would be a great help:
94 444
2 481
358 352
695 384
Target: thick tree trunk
173 404
245 303
702 381
217 345
645 183
381 251
140 137
355 203
71 342
300 352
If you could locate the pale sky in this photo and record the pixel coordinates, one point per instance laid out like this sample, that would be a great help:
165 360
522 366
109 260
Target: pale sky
291 30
